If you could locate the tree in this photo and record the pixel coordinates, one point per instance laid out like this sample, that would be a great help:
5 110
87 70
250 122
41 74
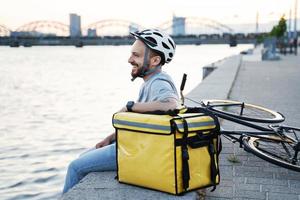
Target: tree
279 30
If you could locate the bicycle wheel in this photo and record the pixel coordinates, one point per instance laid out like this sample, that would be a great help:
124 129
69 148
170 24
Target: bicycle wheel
279 151
244 111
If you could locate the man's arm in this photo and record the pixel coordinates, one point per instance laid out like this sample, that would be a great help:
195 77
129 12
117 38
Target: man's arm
163 105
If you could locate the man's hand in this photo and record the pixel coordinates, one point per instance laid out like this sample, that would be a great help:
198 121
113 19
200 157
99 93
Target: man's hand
103 143
108 140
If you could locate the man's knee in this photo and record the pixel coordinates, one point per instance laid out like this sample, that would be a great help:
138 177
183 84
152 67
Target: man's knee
73 166
77 167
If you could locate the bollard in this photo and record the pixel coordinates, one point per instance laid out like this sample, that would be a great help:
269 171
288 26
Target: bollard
207 70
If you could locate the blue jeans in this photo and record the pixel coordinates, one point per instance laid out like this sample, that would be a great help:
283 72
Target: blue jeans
94 160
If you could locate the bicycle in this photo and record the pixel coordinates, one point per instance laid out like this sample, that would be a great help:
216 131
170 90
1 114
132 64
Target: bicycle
275 143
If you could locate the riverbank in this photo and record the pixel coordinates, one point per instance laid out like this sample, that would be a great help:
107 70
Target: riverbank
102 185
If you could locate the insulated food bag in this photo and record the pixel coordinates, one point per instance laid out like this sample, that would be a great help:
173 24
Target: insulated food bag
170 153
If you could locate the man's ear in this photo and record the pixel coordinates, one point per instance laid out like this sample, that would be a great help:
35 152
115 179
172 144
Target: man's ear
156 60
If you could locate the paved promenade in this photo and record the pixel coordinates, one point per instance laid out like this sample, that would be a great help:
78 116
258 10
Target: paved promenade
273 84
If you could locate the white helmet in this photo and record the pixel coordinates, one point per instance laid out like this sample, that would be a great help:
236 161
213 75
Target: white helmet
158 41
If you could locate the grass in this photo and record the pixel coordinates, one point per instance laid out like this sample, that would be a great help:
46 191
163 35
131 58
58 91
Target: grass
233 159
201 193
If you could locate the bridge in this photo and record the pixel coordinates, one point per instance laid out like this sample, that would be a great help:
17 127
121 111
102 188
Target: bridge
43 28
188 30
118 27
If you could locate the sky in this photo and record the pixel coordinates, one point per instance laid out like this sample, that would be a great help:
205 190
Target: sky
15 13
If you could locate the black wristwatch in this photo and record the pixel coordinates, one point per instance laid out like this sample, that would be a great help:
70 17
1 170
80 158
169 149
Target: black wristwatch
129 106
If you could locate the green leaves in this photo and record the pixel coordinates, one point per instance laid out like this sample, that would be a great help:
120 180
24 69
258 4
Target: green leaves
279 30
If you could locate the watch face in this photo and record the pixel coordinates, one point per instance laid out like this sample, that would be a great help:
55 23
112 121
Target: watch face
129 105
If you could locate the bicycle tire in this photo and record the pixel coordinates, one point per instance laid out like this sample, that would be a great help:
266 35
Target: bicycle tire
272 150
244 111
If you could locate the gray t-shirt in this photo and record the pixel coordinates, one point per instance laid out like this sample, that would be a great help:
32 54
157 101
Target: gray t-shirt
158 87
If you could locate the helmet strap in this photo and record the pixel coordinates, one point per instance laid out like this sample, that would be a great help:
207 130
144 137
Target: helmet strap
150 71
143 70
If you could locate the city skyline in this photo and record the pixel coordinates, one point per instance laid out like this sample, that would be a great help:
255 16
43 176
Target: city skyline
157 12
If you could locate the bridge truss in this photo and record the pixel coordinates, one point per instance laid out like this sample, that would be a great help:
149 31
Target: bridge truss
112 27
4 31
196 25
42 28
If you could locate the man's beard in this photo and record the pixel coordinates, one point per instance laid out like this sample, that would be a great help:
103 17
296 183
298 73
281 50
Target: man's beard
137 71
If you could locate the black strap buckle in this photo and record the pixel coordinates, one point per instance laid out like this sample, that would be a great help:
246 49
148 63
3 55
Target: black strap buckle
185 154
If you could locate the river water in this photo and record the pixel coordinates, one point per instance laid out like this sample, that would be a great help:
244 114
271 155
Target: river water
55 102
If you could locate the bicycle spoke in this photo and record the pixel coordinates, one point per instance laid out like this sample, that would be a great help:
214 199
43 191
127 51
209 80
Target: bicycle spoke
243 111
295 135
272 149
280 151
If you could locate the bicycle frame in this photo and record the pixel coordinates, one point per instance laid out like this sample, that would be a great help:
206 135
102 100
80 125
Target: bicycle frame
262 132
284 148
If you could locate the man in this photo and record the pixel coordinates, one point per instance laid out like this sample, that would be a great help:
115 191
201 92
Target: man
150 51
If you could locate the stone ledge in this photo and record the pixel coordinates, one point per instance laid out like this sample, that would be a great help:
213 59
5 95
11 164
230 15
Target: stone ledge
103 185
219 83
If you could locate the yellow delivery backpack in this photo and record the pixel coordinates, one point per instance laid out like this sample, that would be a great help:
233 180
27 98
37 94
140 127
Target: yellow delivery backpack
173 154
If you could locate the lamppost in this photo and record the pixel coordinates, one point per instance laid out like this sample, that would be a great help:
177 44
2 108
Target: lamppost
295 28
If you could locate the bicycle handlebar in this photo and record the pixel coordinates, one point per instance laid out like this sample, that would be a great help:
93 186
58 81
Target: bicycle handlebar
183 82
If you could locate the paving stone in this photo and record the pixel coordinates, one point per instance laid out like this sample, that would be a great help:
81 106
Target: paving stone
253 158
280 189
256 163
281 196
248 187
287 176
258 174
294 183
217 198
226 182
226 143
238 180
246 168
250 194
243 198
294 173
223 178
228 150
266 181
226 172
275 169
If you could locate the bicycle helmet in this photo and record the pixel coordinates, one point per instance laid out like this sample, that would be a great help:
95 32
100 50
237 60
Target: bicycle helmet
159 42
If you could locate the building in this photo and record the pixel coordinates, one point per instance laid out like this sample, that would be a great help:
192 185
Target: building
92 32
178 26
133 28
75 25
